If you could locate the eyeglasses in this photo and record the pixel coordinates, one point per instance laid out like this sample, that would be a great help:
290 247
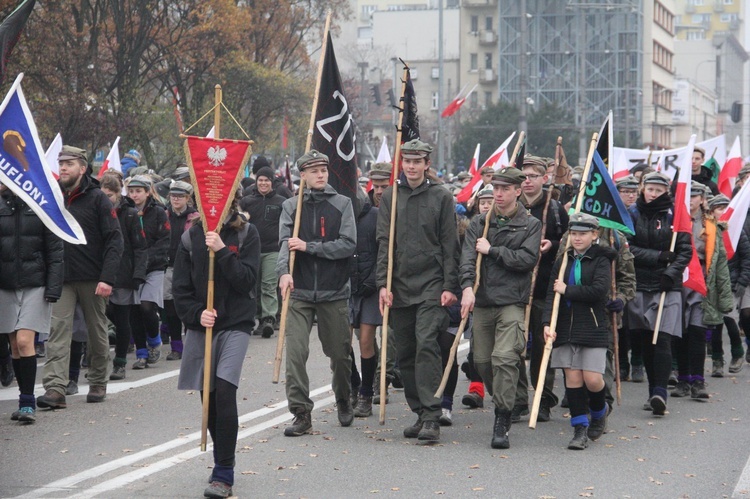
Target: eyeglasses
533 176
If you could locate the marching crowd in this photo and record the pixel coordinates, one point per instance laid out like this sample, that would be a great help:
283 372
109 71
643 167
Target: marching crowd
511 261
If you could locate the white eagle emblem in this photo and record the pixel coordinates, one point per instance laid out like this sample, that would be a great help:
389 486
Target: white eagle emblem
216 155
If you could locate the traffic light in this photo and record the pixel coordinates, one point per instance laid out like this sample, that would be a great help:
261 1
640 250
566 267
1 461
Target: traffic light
736 112
376 94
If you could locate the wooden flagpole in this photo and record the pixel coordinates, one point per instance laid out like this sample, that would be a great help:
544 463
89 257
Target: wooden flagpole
478 272
207 367
613 320
298 214
660 310
556 302
551 182
391 242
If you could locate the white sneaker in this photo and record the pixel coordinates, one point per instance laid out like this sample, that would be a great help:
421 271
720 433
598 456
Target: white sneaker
446 419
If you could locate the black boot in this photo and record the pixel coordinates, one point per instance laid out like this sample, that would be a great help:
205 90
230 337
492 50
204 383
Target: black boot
580 440
500 430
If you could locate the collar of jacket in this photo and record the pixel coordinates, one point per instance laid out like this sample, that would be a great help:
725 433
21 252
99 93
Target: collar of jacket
520 219
317 195
662 203
404 184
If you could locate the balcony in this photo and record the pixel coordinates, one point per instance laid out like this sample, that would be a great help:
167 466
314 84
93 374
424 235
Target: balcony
487 37
719 6
487 76
478 3
690 9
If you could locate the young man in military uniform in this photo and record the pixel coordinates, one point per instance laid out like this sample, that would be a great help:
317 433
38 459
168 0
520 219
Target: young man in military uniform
534 198
510 252
425 278
319 287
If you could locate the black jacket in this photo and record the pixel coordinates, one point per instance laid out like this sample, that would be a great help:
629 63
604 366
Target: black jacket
557 224
31 256
155 224
653 234
280 187
582 319
739 265
704 177
364 261
236 275
265 213
179 223
134 261
98 259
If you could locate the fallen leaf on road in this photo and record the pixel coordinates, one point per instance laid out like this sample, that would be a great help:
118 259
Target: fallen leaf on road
395 488
474 467
64 451
249 472
689 475
313 455
641 459
666 472
477 489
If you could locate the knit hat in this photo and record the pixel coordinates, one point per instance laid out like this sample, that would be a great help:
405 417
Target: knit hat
265 171
259 163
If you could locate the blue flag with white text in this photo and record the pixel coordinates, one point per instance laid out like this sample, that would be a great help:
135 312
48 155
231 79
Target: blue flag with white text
23 167
602 200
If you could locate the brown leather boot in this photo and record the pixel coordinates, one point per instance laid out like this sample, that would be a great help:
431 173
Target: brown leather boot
97 393
51 400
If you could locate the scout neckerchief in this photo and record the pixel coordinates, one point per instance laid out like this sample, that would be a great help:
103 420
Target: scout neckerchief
574 277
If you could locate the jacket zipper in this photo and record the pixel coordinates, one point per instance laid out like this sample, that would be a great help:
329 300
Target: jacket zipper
315 261
594 316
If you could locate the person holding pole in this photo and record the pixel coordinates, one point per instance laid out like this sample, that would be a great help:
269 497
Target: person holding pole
425 273
582 334
657 270
237 264
534 198
319 288
511 249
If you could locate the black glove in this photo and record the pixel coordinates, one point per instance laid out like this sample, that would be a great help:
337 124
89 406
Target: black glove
616 305
665 283
740 291
667 257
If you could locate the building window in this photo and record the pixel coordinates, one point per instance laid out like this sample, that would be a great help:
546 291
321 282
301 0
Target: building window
434 101
487 99
474 24
696 35
488 23
727 18
662 96
662 56
367 11
487 60
435 73
663 17
728 2
473 62
474 101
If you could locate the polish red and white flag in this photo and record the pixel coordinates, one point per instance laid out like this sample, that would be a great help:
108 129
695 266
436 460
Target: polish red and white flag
730 171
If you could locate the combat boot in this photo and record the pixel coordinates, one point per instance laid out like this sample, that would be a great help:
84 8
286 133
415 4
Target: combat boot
500 430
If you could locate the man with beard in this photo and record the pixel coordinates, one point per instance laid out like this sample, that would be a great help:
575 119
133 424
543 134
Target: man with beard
90 272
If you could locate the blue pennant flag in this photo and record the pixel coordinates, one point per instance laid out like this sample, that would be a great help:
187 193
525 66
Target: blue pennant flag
24 170
602 200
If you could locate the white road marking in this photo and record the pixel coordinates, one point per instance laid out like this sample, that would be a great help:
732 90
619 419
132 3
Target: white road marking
743 484
68 483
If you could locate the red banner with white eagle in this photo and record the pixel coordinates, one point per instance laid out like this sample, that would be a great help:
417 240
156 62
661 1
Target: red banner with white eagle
215 169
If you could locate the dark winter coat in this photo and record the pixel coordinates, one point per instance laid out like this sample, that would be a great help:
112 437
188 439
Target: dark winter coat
582 318
98 259
134 261
179 223
506 269
31 256
265 213
739 265
426 251
364 262
557 224
280 187
327 225
653 235
235 276
155 224
704 177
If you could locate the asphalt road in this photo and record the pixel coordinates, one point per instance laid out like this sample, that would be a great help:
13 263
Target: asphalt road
143 442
